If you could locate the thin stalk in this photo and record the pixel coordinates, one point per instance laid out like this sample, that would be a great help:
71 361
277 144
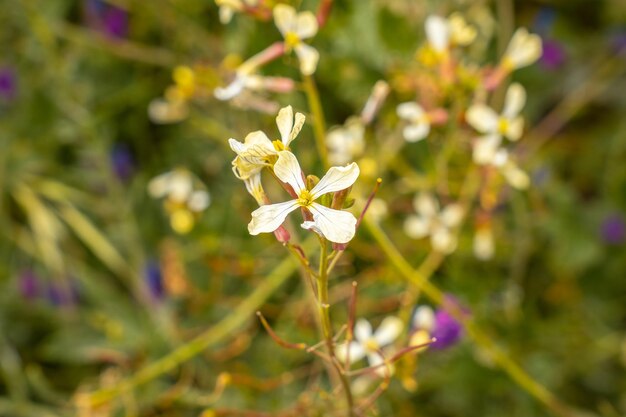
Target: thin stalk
327 331
319 124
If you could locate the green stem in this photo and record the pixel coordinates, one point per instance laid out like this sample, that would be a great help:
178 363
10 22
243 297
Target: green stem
419 280
222 330
327 331
319 125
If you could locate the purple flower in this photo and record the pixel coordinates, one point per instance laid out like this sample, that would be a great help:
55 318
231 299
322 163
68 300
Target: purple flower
154 280
29 285
107 18
613 229
122 161
446 330
62 294
554 54
8 87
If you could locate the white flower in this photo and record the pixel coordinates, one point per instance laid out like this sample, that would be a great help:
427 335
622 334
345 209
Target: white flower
335 225
258 151
524 49
346 142
442 33
164 111
419 121
176 185
295 27
509 123
369 343
229 7
439 224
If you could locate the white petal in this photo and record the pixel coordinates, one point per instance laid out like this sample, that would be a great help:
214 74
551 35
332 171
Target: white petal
357 352
482 118
437 32
515 176
416 227
484 247
284 18
485 149
297 127
309 225
337 226
515 129
159 186
524 49
284 121
514 100
388 331
231 91
226 14
306 25
198 201
410 111
268 218
180 186
443 240
452 215
375 359
336 179
416 132
426 205
424 318
255 187
362 330
308 57
287 169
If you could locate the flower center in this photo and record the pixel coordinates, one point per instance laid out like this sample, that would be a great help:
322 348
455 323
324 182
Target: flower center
305 198
503 126
292 40
279 145
372 345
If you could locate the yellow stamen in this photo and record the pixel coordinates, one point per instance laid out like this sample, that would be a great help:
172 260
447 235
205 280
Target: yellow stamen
503 125
279 145
292 40
372 345
305 198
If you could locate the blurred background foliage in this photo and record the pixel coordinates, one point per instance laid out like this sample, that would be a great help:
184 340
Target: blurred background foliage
95 285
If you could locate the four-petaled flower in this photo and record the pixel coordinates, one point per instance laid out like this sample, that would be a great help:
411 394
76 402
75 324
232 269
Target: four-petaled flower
508 124
430 220
295 27
369 343
258 151
335 225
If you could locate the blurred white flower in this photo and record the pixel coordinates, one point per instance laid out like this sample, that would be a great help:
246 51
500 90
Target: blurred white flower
430 220
347 142
513 174
229 7
508 124
371 344
444 33
523 49
295 27
335 225
418 120
484 246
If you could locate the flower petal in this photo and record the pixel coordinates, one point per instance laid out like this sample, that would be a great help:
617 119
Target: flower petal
357 352
336 179
423 318
514 101
524 49
388 331
362 330
410 111
232 90
482 118
416 132
416 227
515 129
297 127
308 57
255 187
426 205
287 169
337 226
284 121
268 218
485 149
437 32
306 25
443 240
284 18
452 215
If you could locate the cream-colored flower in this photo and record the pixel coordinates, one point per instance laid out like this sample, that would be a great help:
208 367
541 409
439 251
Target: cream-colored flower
523 49
229 7
335 225
418 126
508 124
296 27
371 344
346 143
430 220
444 33
258 151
